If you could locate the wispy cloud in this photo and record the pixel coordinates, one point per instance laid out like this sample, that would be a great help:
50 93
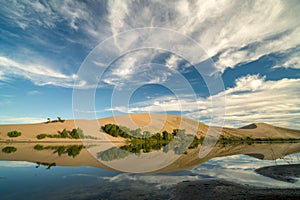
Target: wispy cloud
37 73
291 59
238 32
33 92
232 32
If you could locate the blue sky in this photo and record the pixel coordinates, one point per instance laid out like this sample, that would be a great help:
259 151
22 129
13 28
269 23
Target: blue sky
254 46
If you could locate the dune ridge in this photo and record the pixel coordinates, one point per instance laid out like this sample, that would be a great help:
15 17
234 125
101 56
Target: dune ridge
150 122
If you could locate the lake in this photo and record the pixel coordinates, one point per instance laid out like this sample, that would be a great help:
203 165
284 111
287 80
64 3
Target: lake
70 171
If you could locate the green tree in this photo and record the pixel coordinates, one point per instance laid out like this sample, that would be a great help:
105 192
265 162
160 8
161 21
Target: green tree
74 134
80 132
146 134
157 136
64 133
166 135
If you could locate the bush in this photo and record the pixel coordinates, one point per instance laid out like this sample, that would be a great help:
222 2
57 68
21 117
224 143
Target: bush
41 136
38 147
14 134
9 150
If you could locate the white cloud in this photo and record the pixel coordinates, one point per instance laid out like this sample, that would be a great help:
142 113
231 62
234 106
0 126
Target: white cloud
292 61
172 62
253 99
126 68
249 82
37 73
134 68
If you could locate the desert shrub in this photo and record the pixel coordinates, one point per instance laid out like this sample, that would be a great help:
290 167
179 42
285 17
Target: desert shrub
14 134
38 147
9 149
41 136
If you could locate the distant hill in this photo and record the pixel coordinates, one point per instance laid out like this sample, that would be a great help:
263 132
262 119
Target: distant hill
262 130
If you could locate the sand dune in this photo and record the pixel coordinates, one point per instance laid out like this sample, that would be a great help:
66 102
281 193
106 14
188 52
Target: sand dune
151 122
262 130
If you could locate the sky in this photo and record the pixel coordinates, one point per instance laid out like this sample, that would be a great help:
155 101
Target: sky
239 59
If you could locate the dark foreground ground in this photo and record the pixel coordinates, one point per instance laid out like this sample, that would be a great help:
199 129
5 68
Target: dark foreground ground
202 189
219 189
